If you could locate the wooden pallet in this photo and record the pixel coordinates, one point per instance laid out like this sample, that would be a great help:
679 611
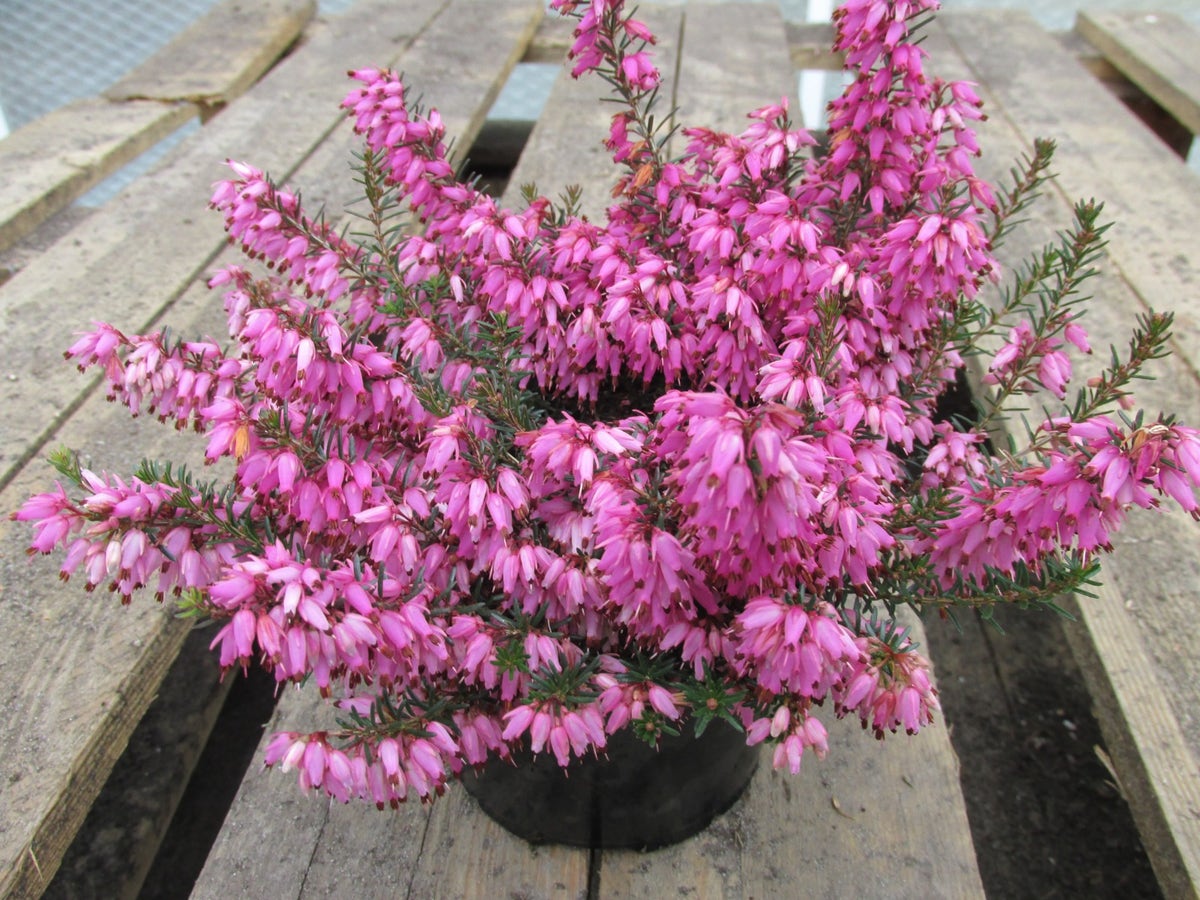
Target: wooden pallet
1138 641
76 675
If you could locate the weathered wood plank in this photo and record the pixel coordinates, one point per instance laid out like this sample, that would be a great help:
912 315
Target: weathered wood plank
1159 52
735 60
49 162
552 41
466 855
1103 152
140 251
78 675
220 55
810 44
870 820
460 68
52 160
271 834
119 838
74 681
1138 640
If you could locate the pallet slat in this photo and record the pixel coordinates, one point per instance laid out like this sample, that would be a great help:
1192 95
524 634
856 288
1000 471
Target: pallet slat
1137 642
81 673
309 836
91 140
1159 52
200 71
140 251
220 55
722 80
810 44
869 821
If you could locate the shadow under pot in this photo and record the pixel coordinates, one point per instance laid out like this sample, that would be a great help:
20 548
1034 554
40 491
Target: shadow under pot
631 797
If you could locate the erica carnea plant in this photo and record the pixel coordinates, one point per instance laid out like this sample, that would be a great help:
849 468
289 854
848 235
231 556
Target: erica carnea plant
515 475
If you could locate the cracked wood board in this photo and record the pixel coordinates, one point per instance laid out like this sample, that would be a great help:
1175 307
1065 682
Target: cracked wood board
79 674
1137 640
220 55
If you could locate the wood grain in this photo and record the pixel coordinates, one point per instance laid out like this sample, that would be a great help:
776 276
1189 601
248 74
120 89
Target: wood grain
140 251
49 162
735 59
1159 52
79 673
1138 641
218 56
54 159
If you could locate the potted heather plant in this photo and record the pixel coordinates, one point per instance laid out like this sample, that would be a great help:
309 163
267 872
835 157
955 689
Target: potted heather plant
512 483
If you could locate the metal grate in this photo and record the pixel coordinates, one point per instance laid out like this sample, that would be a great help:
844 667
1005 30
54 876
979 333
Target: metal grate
56 51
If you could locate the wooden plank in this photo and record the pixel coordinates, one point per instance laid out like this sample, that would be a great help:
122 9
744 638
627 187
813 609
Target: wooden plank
220 55
78 675
870 820
75 679
1159 52
1137 642
309 838
91 139
460 68
810 44
272 831
552 41
139 252
117 842
467 855
213 61
1103 152
735 60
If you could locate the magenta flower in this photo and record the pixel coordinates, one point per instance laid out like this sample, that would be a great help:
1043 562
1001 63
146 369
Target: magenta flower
517 478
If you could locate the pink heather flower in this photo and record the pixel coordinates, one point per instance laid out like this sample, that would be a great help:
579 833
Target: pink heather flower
564 732
889 688
788 648
732 432
792 731
1023 349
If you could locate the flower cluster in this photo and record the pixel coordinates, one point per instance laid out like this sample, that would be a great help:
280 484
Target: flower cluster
515 476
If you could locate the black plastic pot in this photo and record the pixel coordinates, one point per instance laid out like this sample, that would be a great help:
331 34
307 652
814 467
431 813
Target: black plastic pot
632 797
